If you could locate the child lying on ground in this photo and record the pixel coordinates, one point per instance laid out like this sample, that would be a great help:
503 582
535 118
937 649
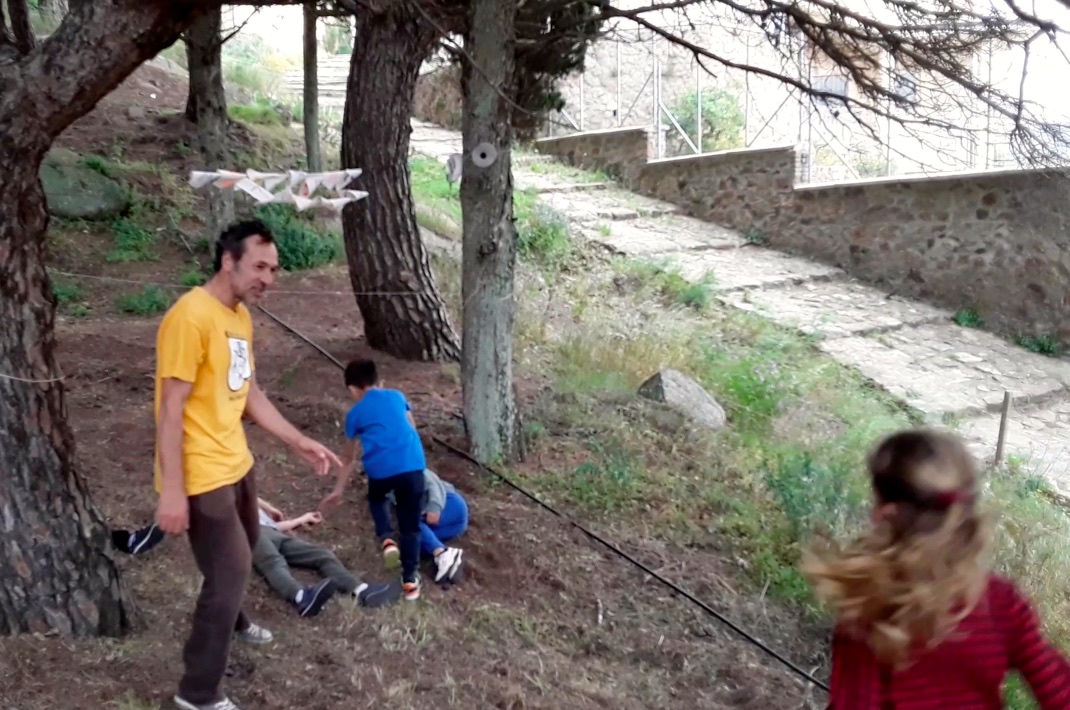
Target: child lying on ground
444 517
277 550
923 623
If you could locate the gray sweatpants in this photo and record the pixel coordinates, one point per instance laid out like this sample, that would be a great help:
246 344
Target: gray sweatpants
276 552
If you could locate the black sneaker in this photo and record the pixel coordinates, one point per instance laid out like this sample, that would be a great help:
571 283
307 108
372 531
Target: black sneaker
311 599
139 541
378 594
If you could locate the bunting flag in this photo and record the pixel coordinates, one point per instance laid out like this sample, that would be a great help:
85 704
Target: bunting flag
294 187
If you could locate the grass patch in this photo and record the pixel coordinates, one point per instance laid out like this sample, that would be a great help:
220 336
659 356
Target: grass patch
968 318
69 297
431 189
66 292
192 277
1040 344
790 461
542 233
116 169
301 246
667 282
147 302
567 173
755 237
132 242
260 112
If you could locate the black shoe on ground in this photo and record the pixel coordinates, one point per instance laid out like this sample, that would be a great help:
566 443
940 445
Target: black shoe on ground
378 594
311 599
139 541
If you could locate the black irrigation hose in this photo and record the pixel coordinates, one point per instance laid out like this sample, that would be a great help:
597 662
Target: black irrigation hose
589 533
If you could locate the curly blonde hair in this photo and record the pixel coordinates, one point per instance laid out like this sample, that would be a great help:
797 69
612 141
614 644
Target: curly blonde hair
922 567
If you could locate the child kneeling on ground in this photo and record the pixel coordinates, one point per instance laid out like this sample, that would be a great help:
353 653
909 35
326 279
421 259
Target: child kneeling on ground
277 550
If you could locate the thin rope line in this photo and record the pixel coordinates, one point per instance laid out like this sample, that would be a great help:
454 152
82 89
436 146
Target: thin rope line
30 381
164 284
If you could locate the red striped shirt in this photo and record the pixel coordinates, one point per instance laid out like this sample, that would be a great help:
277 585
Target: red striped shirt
966 671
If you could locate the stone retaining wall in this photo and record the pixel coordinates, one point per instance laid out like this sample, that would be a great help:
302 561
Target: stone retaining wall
438 97
995 242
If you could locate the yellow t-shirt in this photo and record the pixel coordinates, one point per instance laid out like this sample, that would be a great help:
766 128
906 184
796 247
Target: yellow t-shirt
202 341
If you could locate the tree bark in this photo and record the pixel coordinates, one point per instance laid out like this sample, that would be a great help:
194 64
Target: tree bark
311 118
192 84
25 40
204 60
386 255
490 247
210 103
56 562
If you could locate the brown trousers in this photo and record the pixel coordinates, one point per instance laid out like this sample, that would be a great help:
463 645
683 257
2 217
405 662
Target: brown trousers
223 529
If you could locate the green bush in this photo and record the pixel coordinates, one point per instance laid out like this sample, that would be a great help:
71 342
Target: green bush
301 246
261 113
132 242
150 301
541 232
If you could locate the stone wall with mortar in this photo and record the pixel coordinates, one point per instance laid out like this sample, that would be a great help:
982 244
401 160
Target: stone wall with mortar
438 97
995 242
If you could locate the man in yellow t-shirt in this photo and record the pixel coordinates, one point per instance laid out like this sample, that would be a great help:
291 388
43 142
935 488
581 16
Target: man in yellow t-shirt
205 383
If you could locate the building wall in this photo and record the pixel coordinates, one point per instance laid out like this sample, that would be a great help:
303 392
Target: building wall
996 242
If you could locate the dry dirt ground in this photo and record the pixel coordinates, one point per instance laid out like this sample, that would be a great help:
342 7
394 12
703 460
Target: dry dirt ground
521 631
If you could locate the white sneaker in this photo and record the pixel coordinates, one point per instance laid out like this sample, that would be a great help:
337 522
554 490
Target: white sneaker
256 635
223 704
447 563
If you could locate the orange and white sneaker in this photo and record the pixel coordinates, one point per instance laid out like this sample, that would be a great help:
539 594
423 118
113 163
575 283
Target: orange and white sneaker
391 554
411 589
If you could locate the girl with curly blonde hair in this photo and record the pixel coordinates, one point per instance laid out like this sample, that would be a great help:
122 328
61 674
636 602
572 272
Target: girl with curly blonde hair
922 621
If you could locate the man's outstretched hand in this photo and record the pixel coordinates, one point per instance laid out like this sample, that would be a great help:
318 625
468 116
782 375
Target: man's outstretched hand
317 454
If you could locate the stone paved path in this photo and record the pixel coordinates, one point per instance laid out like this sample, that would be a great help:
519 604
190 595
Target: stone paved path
954 376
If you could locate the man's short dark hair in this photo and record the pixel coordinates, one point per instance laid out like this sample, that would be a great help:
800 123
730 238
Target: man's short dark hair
361 374
232 240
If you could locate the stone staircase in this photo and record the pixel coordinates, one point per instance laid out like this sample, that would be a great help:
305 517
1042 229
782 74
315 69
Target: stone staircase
954 376
333 73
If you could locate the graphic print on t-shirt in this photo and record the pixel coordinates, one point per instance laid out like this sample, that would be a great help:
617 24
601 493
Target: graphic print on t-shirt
240 368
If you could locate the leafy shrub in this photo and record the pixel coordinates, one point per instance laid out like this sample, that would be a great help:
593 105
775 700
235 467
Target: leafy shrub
301 246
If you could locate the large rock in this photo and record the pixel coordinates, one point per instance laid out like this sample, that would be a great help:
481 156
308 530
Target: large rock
686 396
74 191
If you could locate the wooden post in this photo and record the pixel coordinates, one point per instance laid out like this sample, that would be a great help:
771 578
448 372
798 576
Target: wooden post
1002 427
311 94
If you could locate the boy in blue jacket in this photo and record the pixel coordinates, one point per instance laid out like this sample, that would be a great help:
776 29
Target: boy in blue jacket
394 462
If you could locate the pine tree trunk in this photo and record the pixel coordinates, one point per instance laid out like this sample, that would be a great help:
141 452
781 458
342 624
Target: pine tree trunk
21 28
191 84
311 118
204 61
56 566
383 245
210 102
490 408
